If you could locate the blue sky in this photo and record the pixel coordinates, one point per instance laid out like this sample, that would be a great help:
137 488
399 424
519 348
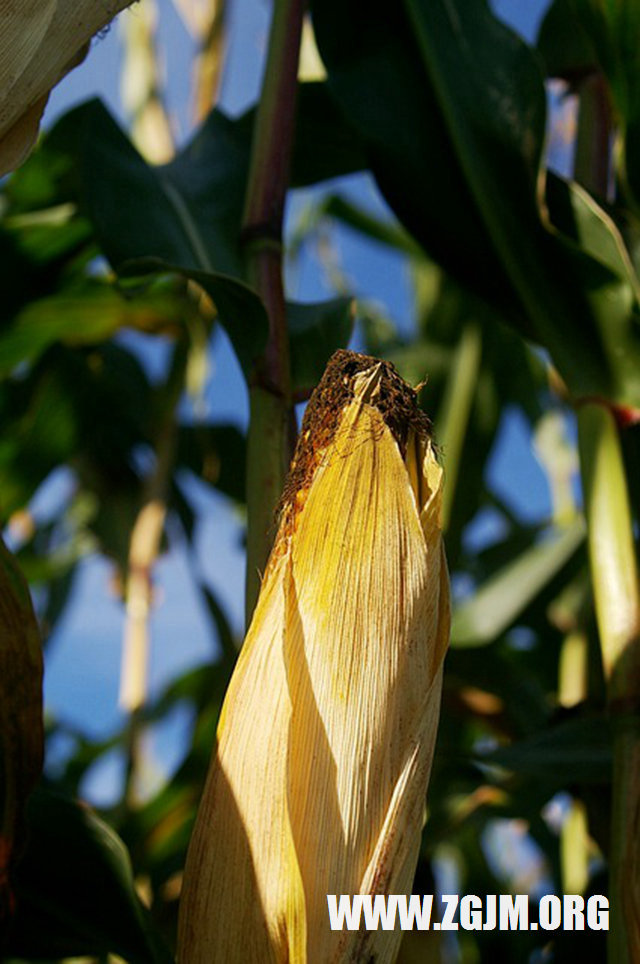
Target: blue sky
82 672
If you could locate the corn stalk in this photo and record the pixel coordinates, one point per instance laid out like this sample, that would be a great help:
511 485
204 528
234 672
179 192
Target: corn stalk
144 547
205 21
141 84
614 577
271 427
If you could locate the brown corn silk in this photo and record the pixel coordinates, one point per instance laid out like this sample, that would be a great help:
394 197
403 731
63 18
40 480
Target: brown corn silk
325 742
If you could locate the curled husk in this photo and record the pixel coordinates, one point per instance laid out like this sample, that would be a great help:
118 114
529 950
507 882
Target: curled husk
317 785
40 41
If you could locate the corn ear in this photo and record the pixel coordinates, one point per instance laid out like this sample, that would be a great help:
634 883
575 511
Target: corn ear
317 784
40 41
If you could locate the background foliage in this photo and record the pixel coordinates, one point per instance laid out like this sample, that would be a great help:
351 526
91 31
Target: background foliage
525 307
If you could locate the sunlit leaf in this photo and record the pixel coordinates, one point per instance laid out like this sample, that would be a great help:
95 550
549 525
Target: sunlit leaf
497 604
85 317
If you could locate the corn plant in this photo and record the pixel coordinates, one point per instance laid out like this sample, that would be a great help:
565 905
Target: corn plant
366 737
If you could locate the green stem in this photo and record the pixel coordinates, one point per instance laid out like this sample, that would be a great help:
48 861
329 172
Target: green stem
614 576
456 407
270 441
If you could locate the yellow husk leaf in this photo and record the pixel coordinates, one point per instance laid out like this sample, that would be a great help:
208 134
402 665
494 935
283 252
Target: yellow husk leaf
40 41
326 736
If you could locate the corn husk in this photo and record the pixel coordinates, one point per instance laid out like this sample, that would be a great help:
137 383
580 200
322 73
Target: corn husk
317 785
40 41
